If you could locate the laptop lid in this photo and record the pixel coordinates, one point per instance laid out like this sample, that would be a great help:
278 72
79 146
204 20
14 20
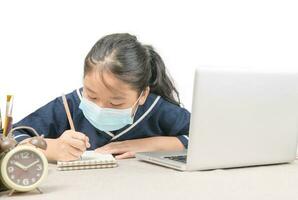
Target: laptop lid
242 118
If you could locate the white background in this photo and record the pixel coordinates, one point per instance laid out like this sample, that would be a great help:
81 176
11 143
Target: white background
43 43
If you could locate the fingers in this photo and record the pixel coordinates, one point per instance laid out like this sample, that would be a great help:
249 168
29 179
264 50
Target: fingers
71 145
125 155
68 157
111 151
78 144
119 148
78 135
75 152
76 139
113 148
68 153
128 148
81 136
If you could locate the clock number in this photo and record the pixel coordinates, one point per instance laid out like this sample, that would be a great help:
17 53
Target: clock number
25 155
38 167
10 169
25 181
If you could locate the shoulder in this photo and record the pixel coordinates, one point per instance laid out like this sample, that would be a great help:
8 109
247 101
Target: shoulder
163 109
167 108
171 114
170 118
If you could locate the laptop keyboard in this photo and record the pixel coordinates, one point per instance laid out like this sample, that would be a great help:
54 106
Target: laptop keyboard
177 158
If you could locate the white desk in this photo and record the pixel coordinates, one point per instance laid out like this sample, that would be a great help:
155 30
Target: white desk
134 179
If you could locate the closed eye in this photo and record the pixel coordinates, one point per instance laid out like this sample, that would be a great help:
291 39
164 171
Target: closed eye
114 104
92 98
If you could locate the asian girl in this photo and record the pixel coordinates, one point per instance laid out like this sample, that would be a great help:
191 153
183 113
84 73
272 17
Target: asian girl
127 104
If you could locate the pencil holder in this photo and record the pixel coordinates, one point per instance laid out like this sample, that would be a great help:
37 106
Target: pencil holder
1 137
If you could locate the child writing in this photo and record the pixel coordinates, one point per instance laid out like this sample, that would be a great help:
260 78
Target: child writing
128 104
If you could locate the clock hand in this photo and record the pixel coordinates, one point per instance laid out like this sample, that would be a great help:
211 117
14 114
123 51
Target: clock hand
32 164
20 165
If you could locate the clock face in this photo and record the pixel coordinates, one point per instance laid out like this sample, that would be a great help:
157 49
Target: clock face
23 168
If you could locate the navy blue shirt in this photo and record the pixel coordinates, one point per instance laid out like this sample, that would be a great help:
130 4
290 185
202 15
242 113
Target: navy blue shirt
157 117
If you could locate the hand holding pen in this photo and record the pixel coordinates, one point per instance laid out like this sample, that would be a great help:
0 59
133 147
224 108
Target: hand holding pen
75 143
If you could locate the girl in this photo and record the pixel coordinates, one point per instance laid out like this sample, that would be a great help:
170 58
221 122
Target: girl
128 104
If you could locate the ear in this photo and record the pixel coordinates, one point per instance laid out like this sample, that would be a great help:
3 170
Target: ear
144 96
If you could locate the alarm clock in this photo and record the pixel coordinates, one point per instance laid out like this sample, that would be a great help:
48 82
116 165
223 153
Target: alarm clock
23 167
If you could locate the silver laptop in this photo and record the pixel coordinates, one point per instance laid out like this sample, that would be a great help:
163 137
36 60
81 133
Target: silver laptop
239 118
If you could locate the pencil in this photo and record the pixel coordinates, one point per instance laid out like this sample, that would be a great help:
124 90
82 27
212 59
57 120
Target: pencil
70 121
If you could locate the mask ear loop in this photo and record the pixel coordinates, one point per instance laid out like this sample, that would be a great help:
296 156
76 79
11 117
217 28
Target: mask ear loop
134 114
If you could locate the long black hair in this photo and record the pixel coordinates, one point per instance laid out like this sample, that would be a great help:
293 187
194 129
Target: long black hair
138 65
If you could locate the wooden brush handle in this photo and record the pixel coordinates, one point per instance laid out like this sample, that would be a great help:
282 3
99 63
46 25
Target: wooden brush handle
7 125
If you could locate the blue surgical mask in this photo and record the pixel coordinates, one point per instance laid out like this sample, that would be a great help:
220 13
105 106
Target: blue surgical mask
107 119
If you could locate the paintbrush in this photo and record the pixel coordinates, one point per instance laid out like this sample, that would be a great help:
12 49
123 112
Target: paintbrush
8 115
0 119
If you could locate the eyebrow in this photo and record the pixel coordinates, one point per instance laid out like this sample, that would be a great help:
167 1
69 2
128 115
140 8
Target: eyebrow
114 98
118 98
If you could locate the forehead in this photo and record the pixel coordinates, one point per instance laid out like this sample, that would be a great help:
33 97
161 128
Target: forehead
105 82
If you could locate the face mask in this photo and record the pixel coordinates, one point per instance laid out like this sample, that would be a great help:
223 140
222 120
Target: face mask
107 119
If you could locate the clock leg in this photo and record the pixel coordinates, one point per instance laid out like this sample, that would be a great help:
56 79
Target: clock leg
39 190
11 192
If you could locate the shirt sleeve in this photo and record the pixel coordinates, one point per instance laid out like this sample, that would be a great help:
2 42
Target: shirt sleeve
49 120
174 121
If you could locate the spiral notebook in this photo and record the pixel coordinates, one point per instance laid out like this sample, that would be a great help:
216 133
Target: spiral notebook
89 160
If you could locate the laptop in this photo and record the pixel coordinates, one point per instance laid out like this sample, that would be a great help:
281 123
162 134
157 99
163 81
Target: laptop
239 118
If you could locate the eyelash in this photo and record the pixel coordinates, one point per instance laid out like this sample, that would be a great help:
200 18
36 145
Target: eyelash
94 98
116 104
